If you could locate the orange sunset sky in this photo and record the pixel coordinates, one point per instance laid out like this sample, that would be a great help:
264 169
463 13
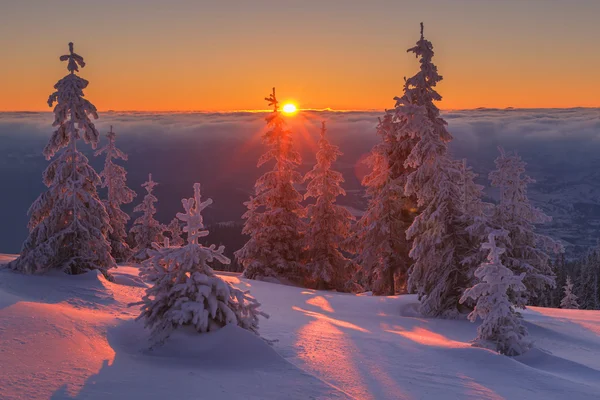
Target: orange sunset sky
185 55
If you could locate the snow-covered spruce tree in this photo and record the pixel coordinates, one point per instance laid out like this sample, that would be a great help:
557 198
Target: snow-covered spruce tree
274 217
570 300
146 229
329 224
526 250
438 274
379 241
473 221
174 229
114 178
68 223
186 292
501 328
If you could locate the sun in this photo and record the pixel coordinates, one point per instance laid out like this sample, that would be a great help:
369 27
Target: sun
289 108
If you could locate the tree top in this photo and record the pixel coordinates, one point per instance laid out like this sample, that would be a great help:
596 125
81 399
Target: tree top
74 60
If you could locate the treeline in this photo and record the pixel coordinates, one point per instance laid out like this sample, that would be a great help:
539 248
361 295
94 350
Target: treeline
584 272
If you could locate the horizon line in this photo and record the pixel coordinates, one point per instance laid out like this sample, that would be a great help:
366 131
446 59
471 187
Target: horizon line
259 111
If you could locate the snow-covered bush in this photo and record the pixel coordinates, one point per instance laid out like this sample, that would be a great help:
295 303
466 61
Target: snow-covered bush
68 224
329 223
114 178
501 328
186 291
146 229
274 217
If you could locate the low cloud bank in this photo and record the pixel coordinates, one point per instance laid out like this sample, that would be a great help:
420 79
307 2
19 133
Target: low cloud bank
221 149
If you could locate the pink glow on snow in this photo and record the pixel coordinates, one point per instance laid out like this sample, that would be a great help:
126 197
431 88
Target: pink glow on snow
321 302
231 279
595 327
6 258
428 338
587 319
385 380
336 322
47 348
320 342
477 390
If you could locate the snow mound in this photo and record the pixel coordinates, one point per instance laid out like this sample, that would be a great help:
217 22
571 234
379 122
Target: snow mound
86 290
545 361
74 337
410 309
128 276
229 347
65 337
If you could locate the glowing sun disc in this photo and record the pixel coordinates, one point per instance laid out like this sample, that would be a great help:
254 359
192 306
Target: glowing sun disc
289 108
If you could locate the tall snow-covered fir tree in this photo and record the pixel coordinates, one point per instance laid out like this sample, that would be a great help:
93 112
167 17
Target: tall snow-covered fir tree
174 229
329 223
274 217
570 300
437 274
146 229
501 328
526 250
114 178
186 291
68 223
380 240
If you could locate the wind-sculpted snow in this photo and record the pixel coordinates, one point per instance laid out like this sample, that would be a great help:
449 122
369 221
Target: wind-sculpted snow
560 147
59 340
328 346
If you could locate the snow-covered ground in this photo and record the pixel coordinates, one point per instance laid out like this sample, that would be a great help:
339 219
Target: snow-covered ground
73 337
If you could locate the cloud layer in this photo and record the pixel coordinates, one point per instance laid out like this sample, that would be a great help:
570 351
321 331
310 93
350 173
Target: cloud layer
220 151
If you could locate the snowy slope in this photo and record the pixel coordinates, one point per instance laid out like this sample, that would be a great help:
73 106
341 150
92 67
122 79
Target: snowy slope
73 337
